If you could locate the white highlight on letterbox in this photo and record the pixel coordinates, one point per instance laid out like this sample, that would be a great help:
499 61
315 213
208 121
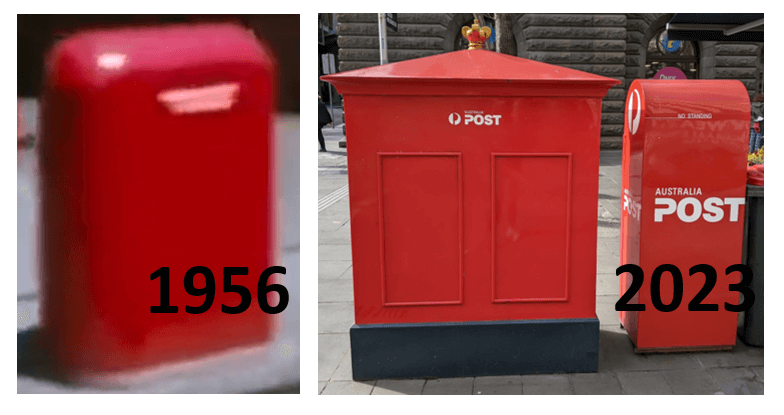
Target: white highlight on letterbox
713 208
112 61
219 97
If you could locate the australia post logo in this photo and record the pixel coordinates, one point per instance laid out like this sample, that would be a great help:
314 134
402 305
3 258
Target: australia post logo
474 117
630 205
633 111
680 203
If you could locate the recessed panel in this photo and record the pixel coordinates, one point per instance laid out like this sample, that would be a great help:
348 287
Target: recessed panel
421 228
530 219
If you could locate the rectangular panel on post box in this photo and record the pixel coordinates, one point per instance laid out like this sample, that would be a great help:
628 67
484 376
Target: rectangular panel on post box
420 217
531 205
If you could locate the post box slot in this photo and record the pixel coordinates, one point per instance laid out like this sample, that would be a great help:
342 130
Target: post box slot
420 219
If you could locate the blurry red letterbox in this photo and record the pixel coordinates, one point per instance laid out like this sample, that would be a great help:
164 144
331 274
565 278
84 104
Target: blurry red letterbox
157 152
684 183
473 186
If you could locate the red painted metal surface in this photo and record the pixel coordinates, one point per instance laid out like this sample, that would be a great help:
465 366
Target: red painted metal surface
683 139
473 182
756 175
156 153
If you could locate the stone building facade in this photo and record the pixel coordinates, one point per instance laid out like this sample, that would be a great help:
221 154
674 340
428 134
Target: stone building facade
620 46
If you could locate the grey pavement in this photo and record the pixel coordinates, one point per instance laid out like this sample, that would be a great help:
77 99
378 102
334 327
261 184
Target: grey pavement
621 371
271 368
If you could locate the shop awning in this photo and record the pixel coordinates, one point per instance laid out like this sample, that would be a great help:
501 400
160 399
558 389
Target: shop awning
737 27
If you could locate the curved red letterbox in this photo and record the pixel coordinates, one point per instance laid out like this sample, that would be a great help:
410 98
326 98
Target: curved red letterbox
156 153
473 185
684 186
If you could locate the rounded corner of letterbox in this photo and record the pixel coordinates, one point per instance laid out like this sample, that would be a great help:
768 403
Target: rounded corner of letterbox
742 90
264 56
67 65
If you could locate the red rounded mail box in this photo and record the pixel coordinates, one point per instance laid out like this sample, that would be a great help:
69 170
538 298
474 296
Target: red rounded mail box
473 186
156 153
683 201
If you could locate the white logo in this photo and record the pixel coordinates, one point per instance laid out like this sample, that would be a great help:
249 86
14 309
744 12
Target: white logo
630 205
713 206
634 123
475 117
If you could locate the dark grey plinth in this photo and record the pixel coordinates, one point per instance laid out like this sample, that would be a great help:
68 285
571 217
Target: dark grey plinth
496 348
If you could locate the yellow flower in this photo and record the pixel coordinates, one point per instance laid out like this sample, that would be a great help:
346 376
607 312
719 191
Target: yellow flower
758 157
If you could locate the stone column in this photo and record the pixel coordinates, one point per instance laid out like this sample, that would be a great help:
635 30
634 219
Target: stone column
636 44
594 43
418 35
738 61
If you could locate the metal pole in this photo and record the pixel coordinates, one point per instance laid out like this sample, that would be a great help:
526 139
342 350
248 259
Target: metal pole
328 64
332 107
382 37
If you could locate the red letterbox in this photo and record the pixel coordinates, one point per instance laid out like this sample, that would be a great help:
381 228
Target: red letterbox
473 185
156 153
684 183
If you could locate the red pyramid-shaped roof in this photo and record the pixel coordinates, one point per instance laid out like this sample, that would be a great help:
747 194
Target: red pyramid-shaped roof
471 72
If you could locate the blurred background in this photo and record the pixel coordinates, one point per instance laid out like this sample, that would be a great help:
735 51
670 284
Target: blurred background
36 33
238 373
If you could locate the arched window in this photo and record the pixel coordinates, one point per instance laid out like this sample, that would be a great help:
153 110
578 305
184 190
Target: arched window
663 52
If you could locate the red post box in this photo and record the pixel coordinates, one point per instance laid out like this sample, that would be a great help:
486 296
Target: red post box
156 153
473 186
684 183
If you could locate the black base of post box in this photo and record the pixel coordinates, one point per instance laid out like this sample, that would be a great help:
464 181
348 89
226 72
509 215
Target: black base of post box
487 348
